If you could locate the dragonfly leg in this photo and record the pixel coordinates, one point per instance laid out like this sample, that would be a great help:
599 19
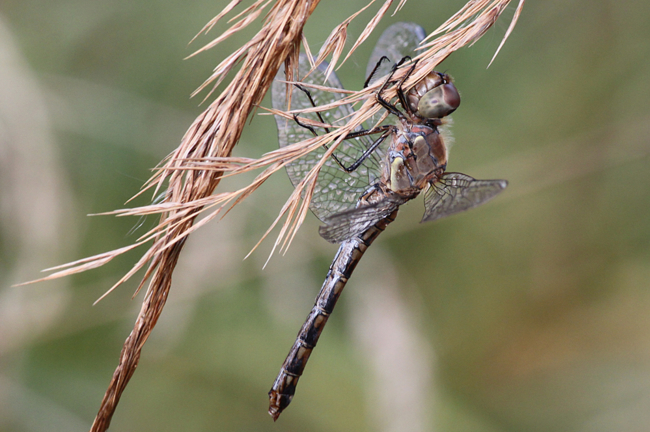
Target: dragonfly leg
400 91
392 108
303 125
384 130
351 135
367 153
363 157
372 74
313 104
402 99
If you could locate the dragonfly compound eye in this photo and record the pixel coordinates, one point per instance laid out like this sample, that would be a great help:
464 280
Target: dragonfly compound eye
439 101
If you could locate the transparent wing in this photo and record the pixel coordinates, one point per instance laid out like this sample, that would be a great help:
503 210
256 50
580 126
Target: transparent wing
350 223
336 190
457 192
397 41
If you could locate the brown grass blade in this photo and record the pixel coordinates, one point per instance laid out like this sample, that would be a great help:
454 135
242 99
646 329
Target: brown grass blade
248 18
369 28
399 7
335 42
213 134
511 27
84 264
206 28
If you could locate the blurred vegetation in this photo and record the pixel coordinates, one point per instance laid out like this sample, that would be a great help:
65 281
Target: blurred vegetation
529 313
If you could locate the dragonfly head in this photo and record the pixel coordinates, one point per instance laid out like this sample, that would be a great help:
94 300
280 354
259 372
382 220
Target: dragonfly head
441 100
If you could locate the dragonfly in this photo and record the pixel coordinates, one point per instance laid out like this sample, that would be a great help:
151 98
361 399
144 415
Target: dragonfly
371 173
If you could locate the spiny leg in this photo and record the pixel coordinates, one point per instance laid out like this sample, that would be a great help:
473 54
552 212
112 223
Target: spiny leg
400 91
372 74
392 108
383 102
351 135
367 153
385 130
313 104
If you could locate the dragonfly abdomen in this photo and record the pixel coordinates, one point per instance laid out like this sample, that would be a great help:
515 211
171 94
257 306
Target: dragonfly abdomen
345 261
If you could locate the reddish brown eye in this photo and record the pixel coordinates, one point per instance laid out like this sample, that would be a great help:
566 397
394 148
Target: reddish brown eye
439 102
451 97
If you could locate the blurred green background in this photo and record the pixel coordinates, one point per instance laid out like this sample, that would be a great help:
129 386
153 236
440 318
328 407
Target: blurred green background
527 314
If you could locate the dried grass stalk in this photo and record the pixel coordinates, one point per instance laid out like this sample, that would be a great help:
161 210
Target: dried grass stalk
195 168
214 133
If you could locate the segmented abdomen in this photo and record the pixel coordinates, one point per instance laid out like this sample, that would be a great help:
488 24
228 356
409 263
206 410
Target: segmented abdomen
345 261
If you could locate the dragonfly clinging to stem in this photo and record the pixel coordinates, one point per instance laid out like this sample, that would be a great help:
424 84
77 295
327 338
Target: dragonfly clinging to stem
360 188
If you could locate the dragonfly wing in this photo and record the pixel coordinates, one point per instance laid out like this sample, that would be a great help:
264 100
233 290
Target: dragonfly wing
336 190
396 42
347 224
456 192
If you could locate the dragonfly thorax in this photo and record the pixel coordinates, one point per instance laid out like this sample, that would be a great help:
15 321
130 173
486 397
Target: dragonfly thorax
417 157
434 97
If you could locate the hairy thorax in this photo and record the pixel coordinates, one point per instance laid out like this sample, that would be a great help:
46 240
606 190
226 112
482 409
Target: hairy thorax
418 157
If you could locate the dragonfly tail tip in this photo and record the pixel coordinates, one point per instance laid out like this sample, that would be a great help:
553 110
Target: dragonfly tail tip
274 412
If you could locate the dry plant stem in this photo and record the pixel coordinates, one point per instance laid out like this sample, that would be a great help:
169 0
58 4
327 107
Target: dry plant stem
214 133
